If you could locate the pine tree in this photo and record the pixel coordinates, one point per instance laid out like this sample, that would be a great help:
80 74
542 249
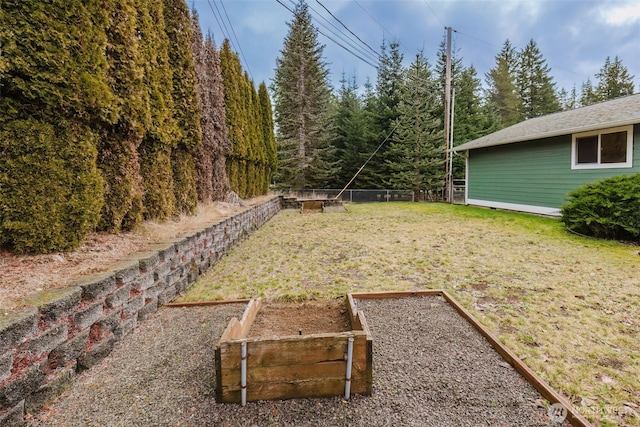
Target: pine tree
614 80
470 118
372 175
534 83
568 100
348 136
55 99
588 94
301 95
441 71
417 150
502 93
385 111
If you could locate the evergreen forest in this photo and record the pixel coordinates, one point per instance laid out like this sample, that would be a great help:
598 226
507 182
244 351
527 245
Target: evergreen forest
395 125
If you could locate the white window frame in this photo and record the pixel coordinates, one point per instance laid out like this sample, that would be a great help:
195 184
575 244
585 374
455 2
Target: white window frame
598 165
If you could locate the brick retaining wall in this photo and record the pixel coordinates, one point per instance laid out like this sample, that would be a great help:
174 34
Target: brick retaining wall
71 329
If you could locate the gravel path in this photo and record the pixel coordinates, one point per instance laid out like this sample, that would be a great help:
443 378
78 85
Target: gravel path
431 368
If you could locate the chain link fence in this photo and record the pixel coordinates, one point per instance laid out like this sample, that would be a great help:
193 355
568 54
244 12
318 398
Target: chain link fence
355 196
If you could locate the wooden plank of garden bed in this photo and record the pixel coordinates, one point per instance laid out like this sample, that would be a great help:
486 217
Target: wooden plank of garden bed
396 294
353 313
273 391
207 303
248 317
232 329
294 367
293 373
573 416
290 350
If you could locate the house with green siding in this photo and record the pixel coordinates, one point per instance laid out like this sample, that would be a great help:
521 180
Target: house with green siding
532 166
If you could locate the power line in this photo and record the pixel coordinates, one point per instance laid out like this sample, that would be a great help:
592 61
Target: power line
246 63
434 13
368 61
219 17
370 157
341 23
374 19
342 36
215 15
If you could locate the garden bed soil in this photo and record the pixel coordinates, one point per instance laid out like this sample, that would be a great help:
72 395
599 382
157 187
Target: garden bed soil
283 319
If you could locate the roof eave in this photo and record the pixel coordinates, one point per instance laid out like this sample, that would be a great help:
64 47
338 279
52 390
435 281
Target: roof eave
470 146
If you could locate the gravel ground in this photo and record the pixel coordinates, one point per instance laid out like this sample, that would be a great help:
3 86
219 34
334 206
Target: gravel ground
431 368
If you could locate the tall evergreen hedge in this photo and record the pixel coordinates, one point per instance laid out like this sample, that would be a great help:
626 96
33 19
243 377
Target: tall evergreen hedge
250 133
160 137
119 142
268 137
54 99
186 105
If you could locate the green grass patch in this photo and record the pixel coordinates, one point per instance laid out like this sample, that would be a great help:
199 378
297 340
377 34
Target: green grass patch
566 304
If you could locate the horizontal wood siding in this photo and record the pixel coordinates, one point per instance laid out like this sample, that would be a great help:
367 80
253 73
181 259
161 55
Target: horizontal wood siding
534 173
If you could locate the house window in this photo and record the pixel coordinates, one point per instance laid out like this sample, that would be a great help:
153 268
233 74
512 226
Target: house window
610 148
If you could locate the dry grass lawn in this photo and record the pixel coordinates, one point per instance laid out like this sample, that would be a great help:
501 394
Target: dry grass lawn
568 305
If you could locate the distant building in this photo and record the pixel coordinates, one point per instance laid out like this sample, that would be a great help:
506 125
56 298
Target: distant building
532 166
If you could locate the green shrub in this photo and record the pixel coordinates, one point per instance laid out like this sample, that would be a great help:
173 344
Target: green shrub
607 209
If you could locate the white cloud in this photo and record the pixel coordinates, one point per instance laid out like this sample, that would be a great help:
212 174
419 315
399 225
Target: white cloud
624 14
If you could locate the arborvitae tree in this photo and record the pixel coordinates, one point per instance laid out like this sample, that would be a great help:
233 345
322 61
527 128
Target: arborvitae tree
159 140
417 149
535 85
232 78
268 136
204 157
54 98
614 80
502 93
301 96
186 105
256 151
261 147
118 145
221 145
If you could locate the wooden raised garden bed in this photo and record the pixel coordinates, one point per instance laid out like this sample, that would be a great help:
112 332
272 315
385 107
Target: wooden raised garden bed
293 366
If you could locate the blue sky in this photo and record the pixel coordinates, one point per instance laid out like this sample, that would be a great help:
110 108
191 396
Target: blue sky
575 36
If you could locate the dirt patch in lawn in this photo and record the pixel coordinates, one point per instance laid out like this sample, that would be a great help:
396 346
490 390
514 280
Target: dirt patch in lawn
282 319
21 275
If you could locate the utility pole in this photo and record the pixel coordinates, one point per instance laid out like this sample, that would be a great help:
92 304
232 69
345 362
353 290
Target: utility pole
447 115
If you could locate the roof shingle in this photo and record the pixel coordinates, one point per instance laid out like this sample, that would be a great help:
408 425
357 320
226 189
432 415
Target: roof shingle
616 112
